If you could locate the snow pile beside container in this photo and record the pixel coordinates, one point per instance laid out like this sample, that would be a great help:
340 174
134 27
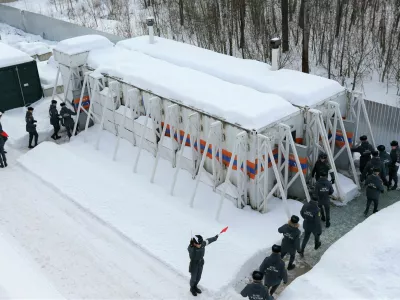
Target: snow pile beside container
9 56
149 216
296 87
82 44
361 265
34 48
48 73
349 189
235 103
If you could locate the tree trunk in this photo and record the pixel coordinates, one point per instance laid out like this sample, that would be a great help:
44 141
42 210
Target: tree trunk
181 16
285 26
305 67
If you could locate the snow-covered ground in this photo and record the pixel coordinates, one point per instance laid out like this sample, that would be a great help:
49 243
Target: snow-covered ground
361 265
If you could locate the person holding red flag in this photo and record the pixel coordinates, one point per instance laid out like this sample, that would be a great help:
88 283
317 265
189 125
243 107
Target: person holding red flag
3 139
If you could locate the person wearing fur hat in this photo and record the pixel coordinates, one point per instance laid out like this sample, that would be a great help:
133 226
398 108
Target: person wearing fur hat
323 189
67 120
31 127
274 270
256 290
196 251
375 163
291 240
54 119
385 157
394 165
365 149
374 190
322 166
3 139
312 224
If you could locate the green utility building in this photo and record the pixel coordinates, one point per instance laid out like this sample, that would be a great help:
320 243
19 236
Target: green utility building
19 79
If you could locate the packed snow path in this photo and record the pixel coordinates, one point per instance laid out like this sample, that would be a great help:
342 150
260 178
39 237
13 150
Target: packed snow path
81 257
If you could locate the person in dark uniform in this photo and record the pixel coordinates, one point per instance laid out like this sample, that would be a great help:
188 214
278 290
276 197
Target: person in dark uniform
256 290
3 139
196 251
67 120
322 166
312 224
31 127
274 270
385 158
394 164
323 189
375 163
365 149
54 119
291 240
374 189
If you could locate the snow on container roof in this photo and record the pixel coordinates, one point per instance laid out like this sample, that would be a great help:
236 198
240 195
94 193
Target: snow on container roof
82 44
234 103
10 56
298 88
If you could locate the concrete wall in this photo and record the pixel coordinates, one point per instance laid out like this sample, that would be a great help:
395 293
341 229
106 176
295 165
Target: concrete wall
49 28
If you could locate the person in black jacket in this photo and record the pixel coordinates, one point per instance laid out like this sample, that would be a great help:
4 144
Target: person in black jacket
365 149
67 120
291 240
312 224
196 251
256 290
375 163
374 189
385 158
31 127
3 139
323 189
274 270
322 166
54 119
394 164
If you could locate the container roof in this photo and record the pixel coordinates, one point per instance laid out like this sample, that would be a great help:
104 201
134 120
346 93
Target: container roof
10 56
82 44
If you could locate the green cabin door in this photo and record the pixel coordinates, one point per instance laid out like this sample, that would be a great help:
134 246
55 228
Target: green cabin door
10 91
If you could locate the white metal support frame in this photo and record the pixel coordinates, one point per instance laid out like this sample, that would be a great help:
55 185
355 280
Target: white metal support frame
215 128
172 113
357 105
333 108
192 128
264 145
71 71
316 131
241 138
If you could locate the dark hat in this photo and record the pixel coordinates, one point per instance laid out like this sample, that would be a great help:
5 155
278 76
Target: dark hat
30 108
375 153
363 138
62 104
257 275
381 148
323 174
323 156
276 248
394 143
294 219
198 239
376 170
53 101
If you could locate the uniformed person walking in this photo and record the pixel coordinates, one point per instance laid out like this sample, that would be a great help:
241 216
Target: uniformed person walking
374 189
394 164
67 120
323 189
31 127
312 224
322 166
54 119
385 158
3 139
274 270
365 149
375 163
291 240
196 251
256 290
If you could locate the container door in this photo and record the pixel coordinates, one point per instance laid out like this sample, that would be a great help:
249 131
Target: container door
10 92
30 82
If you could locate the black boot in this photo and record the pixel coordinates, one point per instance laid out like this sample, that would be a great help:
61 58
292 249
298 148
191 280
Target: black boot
291 267
301 253
323 218
366 213
193 291
393 188
30 147
317 245
53 137
328 223
58 137
198 291
5 164
1 166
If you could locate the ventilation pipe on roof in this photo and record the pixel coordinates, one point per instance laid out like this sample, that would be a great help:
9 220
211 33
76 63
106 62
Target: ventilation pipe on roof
275 44
150 23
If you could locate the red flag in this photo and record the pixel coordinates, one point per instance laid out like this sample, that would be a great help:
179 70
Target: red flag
224 230
3 133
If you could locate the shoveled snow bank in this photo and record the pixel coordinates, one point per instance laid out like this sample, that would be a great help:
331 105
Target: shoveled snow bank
348 188
20 276
235 103
34 48
146 213
296 87
360 265
10 56
82 44
48 73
